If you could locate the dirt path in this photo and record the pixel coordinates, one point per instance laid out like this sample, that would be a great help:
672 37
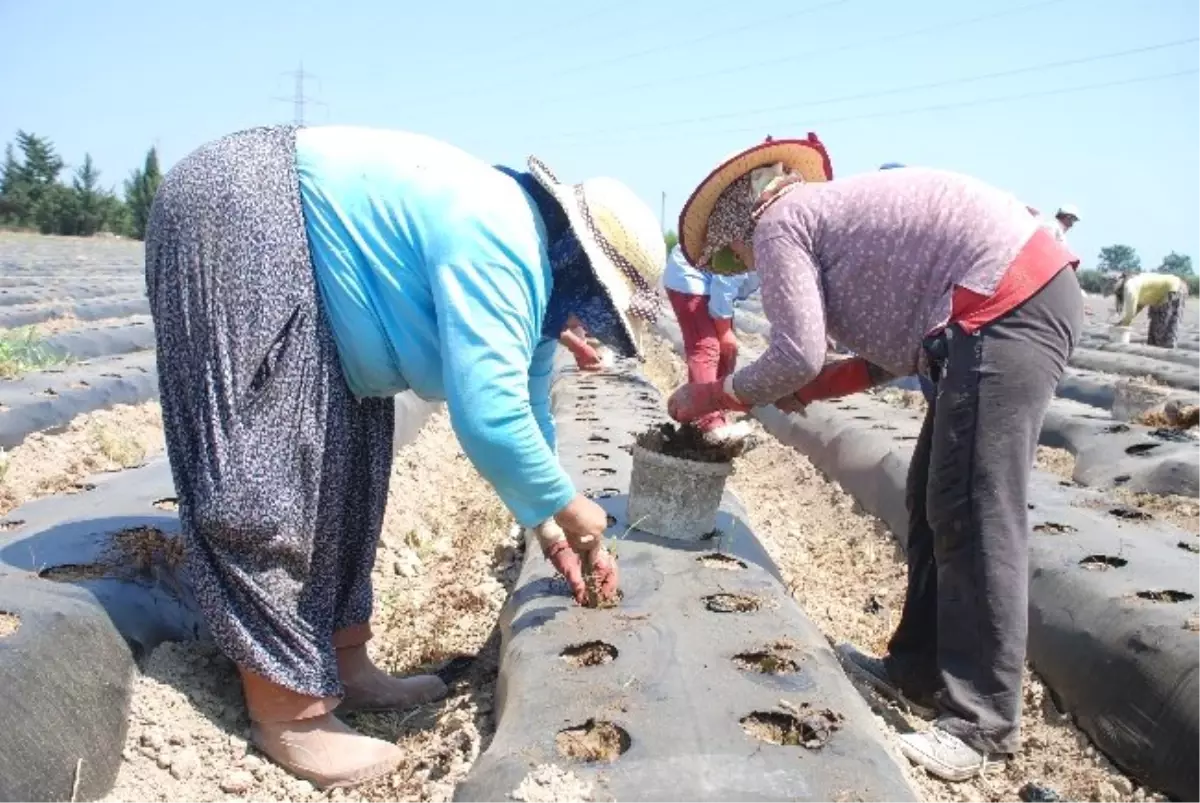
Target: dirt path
106 440
848 573
444 567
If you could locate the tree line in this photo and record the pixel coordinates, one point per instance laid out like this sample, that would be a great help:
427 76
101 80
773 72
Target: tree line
1117 259
35 193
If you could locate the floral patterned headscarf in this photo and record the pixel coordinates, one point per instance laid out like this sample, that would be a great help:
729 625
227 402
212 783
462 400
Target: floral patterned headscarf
737 209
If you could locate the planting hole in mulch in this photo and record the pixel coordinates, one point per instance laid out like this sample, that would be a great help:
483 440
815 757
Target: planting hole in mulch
592 742
133 551
596 456
586 418
1165 595
1053 528
1100 563
1139 449
687 442
8 525
80 487
599 471
906 437
1172 435
590 653
597 439
1190 547
601 493
9 623
862 418
610 521
75 572
1121 479
169 503
1130 514
716 560
805 728
884 427
774 660
731 603
1117 429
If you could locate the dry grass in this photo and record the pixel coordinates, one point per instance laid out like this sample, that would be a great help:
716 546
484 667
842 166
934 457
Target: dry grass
663 367
105 440
9 623
1059 462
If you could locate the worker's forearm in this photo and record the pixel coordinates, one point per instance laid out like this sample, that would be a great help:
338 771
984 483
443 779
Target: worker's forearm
843 378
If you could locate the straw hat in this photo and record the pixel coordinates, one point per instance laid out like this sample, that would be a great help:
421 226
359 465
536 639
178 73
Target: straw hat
621 236
805 156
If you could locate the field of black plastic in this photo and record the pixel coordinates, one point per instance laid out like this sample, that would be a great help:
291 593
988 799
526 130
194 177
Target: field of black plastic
1112 454
46 401
706 682
92 310
1113 594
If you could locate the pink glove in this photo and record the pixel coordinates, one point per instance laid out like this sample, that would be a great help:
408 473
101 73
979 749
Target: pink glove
698 399
566 561
603 578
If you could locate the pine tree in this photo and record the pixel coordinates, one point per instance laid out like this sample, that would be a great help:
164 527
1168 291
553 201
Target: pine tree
139 193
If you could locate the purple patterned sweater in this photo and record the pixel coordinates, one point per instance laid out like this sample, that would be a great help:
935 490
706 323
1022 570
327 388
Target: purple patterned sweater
873 261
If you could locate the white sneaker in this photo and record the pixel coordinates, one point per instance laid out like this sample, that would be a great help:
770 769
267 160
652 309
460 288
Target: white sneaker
943 754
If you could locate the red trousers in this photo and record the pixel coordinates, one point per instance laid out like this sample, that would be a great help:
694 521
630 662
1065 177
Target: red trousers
709 344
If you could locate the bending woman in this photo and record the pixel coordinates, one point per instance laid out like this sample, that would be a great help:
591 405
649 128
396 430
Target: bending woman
922 271
703 304
299 279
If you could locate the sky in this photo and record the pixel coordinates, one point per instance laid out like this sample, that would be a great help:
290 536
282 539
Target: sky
1093 103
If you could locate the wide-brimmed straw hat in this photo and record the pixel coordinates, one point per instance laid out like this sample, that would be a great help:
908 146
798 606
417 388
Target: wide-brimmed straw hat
804 156
622 239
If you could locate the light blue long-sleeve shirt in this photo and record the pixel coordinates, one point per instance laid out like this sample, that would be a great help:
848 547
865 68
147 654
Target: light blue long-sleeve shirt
722 291
433 270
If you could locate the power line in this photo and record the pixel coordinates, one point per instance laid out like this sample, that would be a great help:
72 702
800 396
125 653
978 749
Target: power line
794 57
945 106
892 91
669 45
298 99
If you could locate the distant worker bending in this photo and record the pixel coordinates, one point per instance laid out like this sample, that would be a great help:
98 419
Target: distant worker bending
1163 293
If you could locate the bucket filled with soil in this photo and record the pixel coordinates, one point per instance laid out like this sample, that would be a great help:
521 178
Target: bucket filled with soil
677 481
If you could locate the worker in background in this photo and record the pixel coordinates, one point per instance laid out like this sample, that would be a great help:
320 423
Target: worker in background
1066 217
299 279
703 304
1163 293
973 293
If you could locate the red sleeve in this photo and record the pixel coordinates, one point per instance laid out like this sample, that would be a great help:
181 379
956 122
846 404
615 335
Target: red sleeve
841 378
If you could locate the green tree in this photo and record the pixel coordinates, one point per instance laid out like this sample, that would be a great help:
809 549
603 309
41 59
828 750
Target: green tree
26 182
1177 264
1092 281
671 239
139 194
1119 259
89 209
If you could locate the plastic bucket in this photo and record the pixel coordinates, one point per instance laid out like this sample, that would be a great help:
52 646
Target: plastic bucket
1120 334
675 498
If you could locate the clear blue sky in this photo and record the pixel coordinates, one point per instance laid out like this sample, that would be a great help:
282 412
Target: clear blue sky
654 92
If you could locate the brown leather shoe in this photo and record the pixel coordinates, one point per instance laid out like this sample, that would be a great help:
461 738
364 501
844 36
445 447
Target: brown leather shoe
301 734
369 688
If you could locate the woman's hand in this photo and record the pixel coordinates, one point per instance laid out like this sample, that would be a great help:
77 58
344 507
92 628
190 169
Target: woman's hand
698 399
572 541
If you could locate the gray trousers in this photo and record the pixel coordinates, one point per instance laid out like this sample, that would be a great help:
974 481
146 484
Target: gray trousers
282 475
961 638
1165 319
